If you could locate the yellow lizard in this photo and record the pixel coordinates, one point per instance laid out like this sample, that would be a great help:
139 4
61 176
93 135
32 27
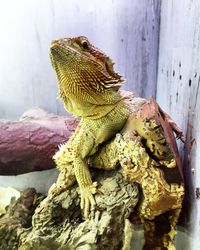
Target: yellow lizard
89 88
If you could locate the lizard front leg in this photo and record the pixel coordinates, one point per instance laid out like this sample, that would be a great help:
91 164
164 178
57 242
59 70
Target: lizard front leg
87 187
82 145
71 162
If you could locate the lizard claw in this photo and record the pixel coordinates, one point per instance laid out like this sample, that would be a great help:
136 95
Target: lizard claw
180 136
93 187
87 199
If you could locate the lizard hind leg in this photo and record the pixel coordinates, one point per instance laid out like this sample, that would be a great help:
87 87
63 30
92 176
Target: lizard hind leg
66 179
64 163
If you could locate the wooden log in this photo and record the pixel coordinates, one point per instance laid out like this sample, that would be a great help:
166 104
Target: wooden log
28 144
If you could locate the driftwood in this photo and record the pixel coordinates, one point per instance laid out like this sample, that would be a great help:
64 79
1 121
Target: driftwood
144 183
57 222
28 144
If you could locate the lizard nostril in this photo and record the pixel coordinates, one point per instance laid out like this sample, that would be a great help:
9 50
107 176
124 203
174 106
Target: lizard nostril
56 43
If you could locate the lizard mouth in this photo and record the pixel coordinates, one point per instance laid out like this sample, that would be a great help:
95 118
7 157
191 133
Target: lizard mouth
62 49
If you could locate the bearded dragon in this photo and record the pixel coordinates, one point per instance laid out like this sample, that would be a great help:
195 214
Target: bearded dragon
89 88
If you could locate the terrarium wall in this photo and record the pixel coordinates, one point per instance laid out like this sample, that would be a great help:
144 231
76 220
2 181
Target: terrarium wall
178 92
126 30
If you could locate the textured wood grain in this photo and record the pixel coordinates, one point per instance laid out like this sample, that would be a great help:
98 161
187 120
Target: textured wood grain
125 30
178 89
29 144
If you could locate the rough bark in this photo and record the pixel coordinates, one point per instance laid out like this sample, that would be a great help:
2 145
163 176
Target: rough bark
28 144
17 220
58 224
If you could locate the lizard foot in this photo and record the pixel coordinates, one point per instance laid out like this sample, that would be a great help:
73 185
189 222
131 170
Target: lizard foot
64 181
87 198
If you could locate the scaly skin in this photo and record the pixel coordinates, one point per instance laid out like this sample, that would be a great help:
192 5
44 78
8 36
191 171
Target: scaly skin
89 88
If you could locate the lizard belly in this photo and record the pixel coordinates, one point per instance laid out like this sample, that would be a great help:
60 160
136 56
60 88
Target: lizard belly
104 128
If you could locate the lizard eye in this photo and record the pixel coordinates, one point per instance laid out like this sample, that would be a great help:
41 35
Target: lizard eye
85 44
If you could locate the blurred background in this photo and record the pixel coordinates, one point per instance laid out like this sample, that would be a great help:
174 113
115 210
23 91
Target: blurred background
126 30
155 45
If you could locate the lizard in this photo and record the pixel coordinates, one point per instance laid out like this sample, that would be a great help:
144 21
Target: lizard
89 88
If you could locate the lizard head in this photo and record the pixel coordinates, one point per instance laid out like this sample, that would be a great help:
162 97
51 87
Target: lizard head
77 60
